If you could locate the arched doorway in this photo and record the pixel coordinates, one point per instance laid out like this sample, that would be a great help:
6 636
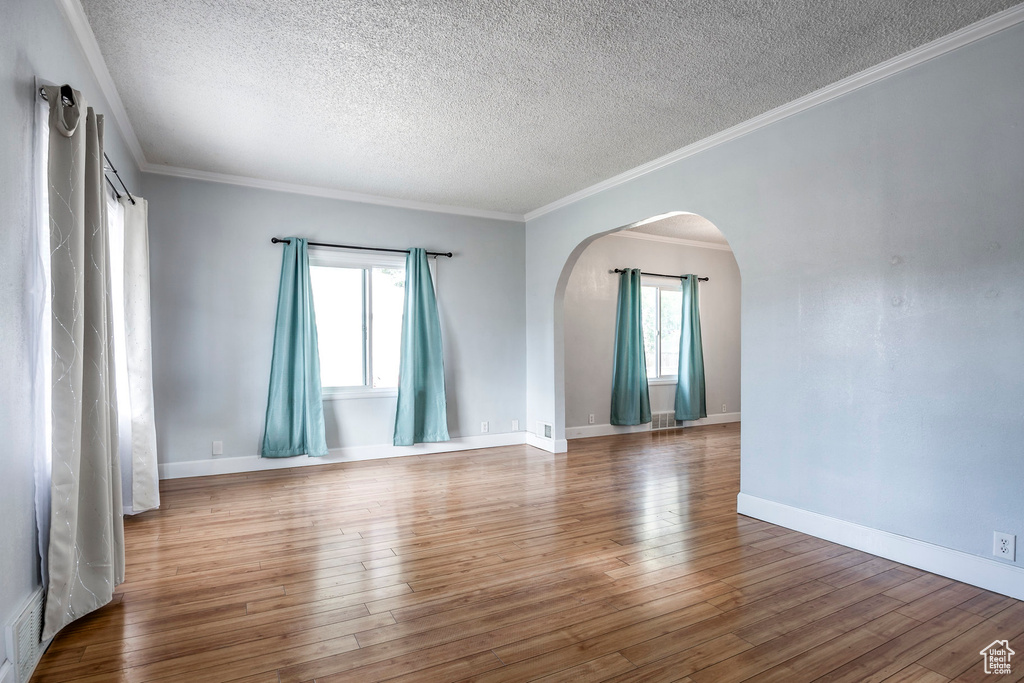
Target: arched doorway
669 244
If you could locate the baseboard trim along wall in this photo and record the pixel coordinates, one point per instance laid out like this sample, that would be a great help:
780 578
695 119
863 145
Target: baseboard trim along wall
588 431
254 463
7 672
978 571
549 445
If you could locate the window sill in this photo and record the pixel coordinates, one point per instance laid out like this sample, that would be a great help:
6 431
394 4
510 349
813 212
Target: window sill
359 392
662 381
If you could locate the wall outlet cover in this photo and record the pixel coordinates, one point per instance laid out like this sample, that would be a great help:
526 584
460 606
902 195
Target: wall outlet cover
218 448
1004 546
515 425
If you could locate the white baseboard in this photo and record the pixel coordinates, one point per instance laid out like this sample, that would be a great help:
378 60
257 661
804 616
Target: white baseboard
7 672
549 445
254 463
992 575
713 419
588 431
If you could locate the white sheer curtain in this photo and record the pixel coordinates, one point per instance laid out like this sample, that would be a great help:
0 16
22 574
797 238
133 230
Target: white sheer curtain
115 226
137 427
39 302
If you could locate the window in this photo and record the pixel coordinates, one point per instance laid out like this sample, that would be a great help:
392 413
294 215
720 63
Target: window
359 302
662 305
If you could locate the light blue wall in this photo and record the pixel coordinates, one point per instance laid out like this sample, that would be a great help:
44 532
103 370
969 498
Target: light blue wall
34 41
214 287
880 239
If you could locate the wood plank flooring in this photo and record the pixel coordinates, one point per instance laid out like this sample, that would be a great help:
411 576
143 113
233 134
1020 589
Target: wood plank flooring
623 560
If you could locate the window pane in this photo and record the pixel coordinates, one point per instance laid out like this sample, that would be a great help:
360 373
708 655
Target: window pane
388 294
671 319
649 305
338 299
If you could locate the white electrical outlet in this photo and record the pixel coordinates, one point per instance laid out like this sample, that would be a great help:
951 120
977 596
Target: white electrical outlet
723 407
1004 545
218 448
591 419
515 425
483 428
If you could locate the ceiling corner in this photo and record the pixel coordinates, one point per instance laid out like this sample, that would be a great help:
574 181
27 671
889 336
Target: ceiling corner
79 23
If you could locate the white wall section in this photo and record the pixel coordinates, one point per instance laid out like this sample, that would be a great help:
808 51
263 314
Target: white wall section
880 245
215 277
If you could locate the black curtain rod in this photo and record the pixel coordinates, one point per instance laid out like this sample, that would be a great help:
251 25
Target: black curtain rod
68 102
679 277
277 240
118 176
112 186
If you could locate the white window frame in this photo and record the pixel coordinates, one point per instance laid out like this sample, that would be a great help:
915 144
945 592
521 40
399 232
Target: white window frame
337 258
660 283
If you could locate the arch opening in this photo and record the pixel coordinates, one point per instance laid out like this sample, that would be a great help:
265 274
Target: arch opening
675 243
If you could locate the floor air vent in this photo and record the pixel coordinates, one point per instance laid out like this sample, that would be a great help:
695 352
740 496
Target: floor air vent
663 421
25 647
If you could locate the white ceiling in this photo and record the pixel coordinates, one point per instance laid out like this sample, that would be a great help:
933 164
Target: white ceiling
500 105
683 226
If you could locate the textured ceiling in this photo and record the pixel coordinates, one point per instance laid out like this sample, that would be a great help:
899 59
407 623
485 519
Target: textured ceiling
504 105
685 226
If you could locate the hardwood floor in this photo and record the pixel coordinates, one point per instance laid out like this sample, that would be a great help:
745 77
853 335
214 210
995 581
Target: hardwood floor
623 560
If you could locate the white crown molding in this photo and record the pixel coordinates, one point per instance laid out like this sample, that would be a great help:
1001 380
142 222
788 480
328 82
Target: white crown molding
79 22
630 234
313 191
993 575
76 17
968 34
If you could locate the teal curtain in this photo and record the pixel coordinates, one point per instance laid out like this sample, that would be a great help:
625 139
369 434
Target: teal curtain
691 403
631 404
422 414
295 410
